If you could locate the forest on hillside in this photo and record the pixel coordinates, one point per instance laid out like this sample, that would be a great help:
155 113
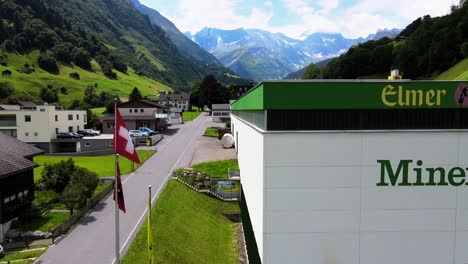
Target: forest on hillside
27 25
424 49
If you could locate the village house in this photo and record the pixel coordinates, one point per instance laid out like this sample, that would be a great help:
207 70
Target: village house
16 179
40 124
75 75
6 73
180 101
136 114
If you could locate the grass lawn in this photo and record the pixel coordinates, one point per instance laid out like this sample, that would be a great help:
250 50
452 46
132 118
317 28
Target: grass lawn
211 132
189 116
44 223
23 255
217 169
457 72
188 227
104 166
30 84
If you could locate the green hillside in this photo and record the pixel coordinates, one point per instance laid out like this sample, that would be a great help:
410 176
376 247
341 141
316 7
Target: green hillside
29 85
426 48
457 72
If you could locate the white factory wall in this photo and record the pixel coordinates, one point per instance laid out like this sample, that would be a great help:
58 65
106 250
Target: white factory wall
322 204
249 144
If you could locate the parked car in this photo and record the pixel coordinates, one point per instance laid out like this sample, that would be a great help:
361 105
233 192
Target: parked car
69 135
87 133
147 131
96 132
2 252
137 133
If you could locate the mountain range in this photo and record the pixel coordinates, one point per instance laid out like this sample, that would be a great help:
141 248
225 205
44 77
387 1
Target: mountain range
260 55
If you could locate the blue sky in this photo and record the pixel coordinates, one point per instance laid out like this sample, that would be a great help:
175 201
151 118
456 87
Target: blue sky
352 18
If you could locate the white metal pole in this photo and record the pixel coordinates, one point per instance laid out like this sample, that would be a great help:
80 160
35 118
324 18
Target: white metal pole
117 237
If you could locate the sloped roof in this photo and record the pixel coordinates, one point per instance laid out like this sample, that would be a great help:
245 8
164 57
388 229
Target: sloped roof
10 107
14 155
172 97
26 104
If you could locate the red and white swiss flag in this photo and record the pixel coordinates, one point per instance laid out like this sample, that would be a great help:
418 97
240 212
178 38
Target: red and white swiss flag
123 144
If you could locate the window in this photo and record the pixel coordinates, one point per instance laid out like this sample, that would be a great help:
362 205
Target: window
136 110
77 117
20 195
6 200
56 131
42 109
56 117
70 117
26 134
87 144
70 129
108 125
36 134
142 110
77 128
27 118
130 110
26 192
12 197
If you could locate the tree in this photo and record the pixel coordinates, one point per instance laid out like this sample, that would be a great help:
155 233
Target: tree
90 96
81 187
87 179
56 176
464 49
195 95
48 95
135 95
311 72
6 90
110 107
72 197
212 92
92 118
48 63
82 58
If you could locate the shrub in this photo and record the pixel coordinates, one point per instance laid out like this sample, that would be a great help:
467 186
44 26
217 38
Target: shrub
48 62
6 90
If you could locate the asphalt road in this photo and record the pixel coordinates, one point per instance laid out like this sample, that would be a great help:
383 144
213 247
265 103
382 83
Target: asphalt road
93 239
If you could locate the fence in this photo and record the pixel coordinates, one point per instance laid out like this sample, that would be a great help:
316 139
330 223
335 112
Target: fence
78 214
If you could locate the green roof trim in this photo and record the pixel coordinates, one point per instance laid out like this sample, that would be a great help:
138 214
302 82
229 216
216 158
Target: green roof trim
253 100
354 94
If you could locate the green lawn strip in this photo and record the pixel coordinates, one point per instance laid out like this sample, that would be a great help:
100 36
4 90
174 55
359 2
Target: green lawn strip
44 223
101 188
98 111
211 132
23 255
104 166
189 116
217 169
188 227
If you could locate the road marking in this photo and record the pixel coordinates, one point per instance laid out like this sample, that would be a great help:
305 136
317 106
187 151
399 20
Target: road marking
160 187
170 140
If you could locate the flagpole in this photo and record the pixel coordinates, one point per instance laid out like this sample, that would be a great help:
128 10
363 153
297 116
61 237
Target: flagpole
149 226
117 237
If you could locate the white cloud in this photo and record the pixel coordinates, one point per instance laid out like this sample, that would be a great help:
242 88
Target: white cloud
195 15
408 9
332 16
